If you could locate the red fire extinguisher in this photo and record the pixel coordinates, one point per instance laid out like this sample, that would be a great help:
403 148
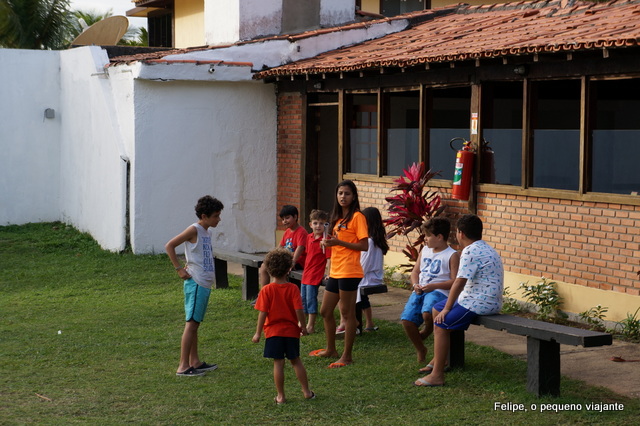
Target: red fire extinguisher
463 171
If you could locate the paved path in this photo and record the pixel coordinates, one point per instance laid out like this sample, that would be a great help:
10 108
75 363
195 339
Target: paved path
591 365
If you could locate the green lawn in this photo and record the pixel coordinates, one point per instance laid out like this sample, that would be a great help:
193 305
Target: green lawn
88 336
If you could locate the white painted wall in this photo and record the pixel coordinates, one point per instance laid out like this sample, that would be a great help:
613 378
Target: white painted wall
336 12
29 143
221 21
195 138
93 159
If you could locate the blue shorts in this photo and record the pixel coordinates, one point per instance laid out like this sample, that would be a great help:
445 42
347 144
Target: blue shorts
277 347
196 299
458 317
309 295
420 303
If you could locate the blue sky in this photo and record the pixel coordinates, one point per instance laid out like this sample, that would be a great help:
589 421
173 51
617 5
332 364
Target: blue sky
118 7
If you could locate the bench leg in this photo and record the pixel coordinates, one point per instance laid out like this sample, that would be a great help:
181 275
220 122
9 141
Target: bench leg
456 349
250 284
222 280
543 367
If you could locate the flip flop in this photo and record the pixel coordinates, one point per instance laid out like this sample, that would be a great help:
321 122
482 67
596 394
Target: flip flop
429 369
275 399
316 352
313 395
337 365
369 329
424 383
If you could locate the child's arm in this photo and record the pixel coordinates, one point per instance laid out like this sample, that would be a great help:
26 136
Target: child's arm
190 234
454 262
302 322
296 255
456 289
262 316
415 277
362 245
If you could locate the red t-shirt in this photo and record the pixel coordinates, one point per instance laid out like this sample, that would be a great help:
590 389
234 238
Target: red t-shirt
291 240
316 261
280 302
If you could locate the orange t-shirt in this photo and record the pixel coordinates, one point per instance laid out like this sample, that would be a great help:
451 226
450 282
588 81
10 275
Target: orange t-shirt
345 263
280 302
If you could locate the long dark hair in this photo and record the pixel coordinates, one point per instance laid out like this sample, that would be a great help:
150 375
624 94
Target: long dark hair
336 213
376 229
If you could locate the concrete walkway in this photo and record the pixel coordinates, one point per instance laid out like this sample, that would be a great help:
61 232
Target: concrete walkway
590 365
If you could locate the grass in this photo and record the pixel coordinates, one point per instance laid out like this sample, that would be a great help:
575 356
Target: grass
93 337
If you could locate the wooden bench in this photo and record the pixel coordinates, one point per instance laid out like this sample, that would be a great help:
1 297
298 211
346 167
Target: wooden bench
543 347
250 264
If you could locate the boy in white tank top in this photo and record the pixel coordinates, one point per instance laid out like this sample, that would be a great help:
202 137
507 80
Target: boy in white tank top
432 277
198 275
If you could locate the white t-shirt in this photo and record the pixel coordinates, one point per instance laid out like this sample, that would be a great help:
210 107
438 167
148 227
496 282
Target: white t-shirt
434 267
200 258
482 266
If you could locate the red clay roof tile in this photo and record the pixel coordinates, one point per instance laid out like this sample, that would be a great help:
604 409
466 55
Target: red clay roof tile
487 31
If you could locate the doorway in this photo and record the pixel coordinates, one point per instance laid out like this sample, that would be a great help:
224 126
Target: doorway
321 162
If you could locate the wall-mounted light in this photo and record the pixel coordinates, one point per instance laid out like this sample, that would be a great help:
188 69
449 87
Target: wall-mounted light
318 85
520 70
212 69
49 113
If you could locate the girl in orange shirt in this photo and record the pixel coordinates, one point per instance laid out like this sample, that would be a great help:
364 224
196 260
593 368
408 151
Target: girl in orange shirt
348 240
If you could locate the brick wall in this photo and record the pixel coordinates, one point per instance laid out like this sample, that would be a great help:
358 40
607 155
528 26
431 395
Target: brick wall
584 243
289 150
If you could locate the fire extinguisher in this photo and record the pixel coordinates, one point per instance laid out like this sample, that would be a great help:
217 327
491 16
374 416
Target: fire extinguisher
463 171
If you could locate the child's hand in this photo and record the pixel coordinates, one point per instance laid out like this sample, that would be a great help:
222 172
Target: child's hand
417 288
182 273
303 331
256 338
330 241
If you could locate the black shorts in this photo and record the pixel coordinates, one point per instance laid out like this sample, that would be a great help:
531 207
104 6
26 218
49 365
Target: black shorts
334 285
277 347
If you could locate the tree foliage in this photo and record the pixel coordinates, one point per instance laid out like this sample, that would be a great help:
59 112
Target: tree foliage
34 24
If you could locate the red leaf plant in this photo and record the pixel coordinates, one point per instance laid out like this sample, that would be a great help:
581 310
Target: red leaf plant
413 205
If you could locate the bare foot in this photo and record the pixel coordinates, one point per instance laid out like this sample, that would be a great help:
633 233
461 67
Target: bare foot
431 380
422 355
323 353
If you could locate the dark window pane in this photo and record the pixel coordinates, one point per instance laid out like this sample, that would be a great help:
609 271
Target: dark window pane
450 118
616 136
396 7
556 134
363 134
403 134
502 129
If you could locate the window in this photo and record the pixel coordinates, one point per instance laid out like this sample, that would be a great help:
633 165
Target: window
615 136
449 115
502 130
363 134
402 131
555 134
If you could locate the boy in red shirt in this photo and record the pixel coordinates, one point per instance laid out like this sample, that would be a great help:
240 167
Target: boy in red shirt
281 317
314 267
294 240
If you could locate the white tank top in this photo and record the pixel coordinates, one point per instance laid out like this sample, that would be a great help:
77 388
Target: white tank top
434 267
200 258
